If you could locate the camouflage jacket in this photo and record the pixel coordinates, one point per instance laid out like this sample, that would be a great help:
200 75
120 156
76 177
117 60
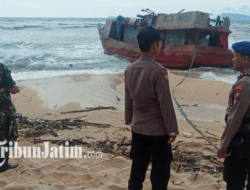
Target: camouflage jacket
6 82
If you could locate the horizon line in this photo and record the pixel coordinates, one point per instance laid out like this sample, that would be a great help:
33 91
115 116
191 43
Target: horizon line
90 17
52 17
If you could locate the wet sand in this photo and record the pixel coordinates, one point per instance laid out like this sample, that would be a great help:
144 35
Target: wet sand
203 101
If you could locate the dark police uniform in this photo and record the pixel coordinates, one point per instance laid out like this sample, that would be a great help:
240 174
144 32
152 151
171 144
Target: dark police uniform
238 125
6 107
149 110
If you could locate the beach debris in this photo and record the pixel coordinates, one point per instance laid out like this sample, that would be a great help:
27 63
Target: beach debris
90 109
195 162
53 131
70 142
121 144
179 182
187 134
118 98
189 105
217 121
178 169
195 176
184 160
73 118
38 127
106 146
211 133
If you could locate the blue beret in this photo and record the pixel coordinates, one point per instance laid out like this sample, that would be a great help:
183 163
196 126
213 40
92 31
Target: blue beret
242 47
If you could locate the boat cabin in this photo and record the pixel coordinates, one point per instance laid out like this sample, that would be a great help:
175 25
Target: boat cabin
191 28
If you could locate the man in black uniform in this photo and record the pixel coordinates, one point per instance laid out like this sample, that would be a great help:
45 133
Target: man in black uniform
149 110
237 164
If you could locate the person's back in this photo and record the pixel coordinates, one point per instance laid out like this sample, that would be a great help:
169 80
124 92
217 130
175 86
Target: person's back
149 109
145 79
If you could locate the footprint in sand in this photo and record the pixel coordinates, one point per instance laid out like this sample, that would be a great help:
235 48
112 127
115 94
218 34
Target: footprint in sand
104 180
71 168
113 187
124 173
36 173
118 162
68 178
96 169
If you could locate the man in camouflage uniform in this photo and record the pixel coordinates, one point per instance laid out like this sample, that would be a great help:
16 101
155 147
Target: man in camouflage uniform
7 109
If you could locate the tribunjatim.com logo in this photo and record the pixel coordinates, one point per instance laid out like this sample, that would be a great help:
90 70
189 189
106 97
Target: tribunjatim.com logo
57 152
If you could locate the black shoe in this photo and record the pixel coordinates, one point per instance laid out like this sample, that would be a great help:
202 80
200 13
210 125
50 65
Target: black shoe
8 167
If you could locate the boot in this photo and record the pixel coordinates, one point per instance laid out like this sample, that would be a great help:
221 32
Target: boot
8 166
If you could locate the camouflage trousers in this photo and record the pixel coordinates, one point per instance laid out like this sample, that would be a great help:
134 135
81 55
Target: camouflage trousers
6 112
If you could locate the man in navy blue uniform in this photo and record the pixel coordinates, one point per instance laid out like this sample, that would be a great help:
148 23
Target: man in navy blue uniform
237 163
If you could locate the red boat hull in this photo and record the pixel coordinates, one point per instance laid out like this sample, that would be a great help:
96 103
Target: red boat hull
174 57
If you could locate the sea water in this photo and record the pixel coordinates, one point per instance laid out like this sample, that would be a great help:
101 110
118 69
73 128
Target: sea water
35 48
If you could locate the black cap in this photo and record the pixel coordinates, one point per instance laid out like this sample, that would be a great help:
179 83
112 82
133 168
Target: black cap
148 34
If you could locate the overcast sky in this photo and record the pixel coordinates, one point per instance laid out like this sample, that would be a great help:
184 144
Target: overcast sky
104 8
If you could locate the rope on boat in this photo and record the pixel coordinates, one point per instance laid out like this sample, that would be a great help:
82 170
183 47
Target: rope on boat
183 112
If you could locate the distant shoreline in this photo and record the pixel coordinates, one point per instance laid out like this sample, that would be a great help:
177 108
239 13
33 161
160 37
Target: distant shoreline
236 17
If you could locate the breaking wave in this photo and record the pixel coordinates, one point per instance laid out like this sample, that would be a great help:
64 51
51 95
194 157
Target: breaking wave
66 26
227 78
19 27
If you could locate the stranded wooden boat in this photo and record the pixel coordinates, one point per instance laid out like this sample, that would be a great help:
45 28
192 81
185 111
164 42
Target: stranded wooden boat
188 38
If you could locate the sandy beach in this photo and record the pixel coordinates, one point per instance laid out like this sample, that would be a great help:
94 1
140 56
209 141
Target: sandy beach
203 101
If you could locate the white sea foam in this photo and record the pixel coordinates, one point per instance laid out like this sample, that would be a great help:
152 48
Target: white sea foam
29 75
223 78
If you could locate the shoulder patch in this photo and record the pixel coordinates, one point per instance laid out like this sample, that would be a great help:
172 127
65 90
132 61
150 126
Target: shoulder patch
165 73
239 88
166 76
163 69
238 92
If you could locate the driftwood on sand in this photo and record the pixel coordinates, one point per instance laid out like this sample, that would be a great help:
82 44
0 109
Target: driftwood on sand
39 127
90 109
183 161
